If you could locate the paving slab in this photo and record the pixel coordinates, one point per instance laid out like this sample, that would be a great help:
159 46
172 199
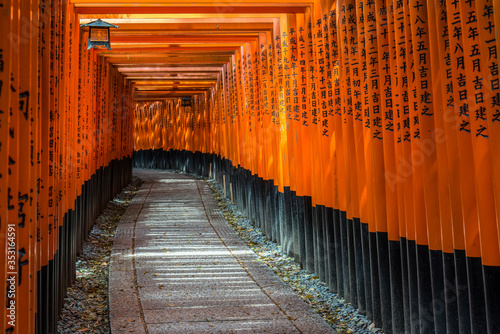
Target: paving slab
246 326
178 267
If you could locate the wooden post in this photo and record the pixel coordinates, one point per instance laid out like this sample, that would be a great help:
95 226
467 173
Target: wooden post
231 192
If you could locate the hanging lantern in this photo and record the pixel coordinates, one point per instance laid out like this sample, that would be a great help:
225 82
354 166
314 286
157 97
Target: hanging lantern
99 33
186 101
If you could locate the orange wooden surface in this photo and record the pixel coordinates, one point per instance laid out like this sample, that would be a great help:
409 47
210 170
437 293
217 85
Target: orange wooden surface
385 110
5 96
15 172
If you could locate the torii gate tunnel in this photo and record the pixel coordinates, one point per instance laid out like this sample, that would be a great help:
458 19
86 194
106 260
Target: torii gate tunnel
361 135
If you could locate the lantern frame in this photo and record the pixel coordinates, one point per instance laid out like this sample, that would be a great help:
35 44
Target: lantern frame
99 34
186 101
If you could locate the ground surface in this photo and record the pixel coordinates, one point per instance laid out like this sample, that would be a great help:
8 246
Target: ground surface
91 315
178 267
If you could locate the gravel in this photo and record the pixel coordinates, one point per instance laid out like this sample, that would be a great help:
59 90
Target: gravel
342 316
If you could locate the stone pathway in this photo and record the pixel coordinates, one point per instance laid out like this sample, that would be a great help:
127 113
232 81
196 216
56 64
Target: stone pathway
178 267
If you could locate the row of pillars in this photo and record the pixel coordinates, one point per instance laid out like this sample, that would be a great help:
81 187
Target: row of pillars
66 143
368 130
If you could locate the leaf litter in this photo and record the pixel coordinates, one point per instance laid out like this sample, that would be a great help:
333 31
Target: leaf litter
86 305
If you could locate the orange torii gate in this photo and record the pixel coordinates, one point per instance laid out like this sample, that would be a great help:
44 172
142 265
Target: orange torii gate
360 135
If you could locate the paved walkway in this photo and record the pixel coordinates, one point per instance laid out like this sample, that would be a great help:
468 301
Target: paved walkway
178 267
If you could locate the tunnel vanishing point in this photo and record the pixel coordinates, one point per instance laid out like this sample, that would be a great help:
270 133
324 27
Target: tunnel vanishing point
361 135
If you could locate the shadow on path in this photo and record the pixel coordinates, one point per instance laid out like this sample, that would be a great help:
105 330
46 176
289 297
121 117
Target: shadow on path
178 267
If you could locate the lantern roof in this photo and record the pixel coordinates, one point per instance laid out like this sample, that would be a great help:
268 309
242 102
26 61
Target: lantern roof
99 23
